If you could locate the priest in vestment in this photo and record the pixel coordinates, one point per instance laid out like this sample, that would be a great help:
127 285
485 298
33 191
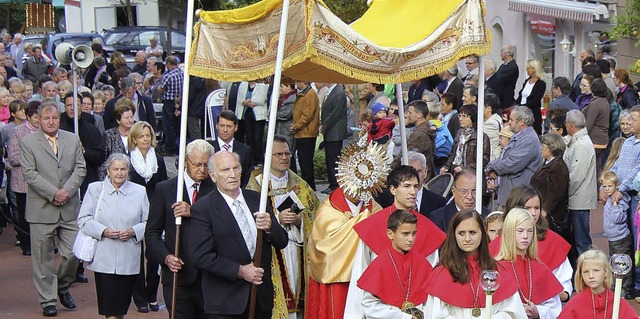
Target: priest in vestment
294 204
362 170
404 185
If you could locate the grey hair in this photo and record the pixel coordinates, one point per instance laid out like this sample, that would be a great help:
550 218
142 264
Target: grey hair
523 113
429 96
58 71
453 70
117 157
127 82
489 65
211 163
417 157
576 118
201 146
510 50
49 83
555 143
623 114
48 103
135 76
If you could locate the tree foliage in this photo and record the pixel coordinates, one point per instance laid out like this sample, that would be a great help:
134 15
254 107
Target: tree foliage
628 22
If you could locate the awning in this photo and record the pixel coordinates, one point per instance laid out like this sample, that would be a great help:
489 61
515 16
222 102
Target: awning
562 9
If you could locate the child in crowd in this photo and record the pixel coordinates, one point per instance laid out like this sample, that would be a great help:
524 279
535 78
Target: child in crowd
493 222
593 284
504 136
365 120
381 125
615 224
444 139
387 282
614 153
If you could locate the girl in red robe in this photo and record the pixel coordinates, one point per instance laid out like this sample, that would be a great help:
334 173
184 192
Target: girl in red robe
593 284
537 286
552 248
453 286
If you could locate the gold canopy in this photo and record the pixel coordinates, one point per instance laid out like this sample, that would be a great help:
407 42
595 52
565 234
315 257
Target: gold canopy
394 41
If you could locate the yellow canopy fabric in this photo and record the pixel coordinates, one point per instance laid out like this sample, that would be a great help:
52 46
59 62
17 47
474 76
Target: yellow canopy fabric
394 41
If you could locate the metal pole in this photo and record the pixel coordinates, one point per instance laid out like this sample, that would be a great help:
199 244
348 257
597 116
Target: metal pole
403 130
74 69
480 138
183 141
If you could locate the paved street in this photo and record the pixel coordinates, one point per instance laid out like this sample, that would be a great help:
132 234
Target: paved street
18 297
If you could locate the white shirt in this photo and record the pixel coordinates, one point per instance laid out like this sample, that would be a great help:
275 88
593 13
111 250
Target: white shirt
419 198
246 210
355 209
528 87
221 143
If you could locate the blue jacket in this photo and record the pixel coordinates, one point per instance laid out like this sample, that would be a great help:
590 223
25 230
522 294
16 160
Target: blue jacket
615 218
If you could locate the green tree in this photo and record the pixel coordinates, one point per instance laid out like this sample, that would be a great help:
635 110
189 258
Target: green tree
628 22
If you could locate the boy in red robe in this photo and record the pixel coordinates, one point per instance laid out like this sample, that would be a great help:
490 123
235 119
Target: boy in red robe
391 281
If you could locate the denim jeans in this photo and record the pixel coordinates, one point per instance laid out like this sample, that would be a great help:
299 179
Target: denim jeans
581 232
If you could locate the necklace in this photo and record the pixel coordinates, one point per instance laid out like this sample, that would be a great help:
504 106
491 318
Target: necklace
476 310
525 299
406 304
606 304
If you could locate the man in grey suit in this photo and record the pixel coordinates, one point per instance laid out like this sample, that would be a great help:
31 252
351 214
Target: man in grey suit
333 124
54 168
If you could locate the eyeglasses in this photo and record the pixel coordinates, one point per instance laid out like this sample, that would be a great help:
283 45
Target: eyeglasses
465 192
469 63
555 129
197 165
282 155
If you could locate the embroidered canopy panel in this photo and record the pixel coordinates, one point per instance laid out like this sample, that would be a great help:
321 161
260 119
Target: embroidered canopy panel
394 41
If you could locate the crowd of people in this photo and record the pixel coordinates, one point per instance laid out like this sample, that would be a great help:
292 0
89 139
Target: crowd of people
541 179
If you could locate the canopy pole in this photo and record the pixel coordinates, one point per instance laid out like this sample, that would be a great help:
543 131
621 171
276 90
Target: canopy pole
74 74
271 132
184 110
403 130
480 138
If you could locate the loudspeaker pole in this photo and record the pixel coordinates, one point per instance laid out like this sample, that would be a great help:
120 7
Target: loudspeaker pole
74 69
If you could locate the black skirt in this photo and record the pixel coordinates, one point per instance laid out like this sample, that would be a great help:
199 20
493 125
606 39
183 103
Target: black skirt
114 293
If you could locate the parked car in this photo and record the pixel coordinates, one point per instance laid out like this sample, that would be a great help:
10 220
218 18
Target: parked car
51 41
130 40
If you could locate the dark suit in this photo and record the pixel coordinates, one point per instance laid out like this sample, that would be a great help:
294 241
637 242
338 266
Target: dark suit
243 151
503 83
145 111
534 102
442 216
333 119
161 218
430 202
456 88
216 246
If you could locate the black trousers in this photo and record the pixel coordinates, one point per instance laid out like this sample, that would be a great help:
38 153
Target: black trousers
306 148
170 126
255 136
146 288
22 228
189 302
332 152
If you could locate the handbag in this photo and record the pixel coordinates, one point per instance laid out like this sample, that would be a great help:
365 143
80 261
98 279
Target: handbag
84 248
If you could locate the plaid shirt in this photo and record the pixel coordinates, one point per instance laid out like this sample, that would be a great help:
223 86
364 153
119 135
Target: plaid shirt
627 165
172 84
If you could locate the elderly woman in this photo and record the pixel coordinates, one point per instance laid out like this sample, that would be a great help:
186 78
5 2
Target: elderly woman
18 184
552 181
626 124
463 153
114 212
116 138
532 92
147 169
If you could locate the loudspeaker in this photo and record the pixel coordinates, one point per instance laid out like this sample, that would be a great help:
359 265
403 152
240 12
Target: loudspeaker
63 53
81 56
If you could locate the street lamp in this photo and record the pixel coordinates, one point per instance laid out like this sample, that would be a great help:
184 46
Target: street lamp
567 47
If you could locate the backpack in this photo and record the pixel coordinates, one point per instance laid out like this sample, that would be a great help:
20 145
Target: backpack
443 142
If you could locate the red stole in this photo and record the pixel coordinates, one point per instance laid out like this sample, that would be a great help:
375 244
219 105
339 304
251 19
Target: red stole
552 251
380 278
373 229
545 284
581 306
326 301
440 284
339 202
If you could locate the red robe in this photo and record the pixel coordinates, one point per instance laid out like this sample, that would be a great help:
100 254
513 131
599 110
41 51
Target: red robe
581 306
380 278
440 284
327 300
545 284
552 251
373 230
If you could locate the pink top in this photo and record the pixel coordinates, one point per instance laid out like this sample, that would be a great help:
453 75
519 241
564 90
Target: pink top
5 114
